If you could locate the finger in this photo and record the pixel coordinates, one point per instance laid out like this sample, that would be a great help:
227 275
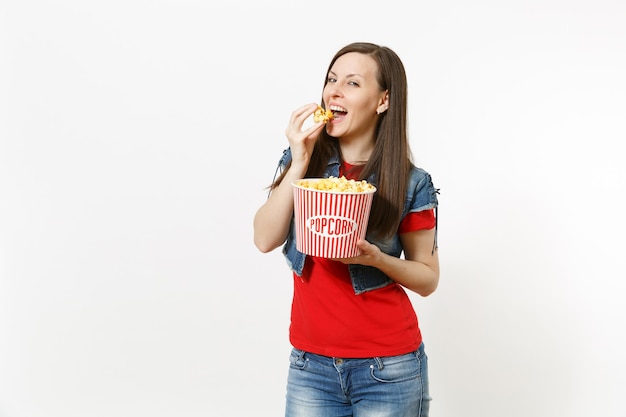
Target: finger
362 244
303 112
313 130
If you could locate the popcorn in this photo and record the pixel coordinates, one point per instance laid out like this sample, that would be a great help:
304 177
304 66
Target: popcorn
331 215
337 184
322 115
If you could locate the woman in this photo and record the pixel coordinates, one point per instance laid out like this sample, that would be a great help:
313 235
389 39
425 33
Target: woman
357 346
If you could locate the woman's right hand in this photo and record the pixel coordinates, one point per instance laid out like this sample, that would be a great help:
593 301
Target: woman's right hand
302 141
273 219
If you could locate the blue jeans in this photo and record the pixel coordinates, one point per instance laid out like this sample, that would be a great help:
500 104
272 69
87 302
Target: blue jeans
393 386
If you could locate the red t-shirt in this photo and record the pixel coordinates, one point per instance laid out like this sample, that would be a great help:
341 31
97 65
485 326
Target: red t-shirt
328 318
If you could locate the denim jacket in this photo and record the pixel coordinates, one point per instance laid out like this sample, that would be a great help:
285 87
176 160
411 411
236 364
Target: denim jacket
421 195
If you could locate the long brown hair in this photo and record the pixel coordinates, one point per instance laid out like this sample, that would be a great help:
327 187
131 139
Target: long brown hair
391 160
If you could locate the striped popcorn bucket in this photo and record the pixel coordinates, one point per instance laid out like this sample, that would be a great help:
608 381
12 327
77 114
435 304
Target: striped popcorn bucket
329 223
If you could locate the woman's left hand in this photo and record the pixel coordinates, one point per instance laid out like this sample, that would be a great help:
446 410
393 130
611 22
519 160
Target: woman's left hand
369 254
417 271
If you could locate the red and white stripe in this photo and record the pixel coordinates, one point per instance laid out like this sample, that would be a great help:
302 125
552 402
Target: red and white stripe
329 224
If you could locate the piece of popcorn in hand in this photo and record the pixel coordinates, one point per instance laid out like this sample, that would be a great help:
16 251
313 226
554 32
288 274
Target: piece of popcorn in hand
322 115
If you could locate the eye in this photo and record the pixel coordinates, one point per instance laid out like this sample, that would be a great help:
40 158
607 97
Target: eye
354 83
331 80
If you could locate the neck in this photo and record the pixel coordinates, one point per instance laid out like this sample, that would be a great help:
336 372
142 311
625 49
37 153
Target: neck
356 152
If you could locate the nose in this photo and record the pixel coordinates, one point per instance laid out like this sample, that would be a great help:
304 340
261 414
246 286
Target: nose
333 89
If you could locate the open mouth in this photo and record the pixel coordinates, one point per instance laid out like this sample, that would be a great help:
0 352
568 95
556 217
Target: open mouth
338 111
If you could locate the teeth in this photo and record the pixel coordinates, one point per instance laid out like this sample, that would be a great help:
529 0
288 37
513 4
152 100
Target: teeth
338 108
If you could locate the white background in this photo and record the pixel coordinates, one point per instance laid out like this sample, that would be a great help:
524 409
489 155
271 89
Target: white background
136 141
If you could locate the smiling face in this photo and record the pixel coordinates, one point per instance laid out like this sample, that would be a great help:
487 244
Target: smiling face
353 94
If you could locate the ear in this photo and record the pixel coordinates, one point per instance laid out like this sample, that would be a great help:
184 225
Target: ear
383 104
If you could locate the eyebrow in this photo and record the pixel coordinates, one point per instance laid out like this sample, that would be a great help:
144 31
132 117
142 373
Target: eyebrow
349 75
